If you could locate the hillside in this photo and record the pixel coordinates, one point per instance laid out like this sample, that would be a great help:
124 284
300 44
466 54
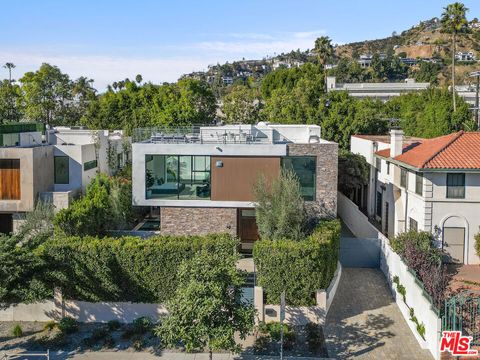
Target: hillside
422 41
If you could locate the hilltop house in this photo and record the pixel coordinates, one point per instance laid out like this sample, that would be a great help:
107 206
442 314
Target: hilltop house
425 184
465 56
55 166
201 179
381 91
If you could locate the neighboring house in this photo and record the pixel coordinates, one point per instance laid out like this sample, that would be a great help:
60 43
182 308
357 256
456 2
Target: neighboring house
227 80
54 167
467 93
426 184
201 180
465 56
381 91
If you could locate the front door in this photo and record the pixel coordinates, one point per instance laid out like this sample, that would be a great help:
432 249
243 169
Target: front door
454 244
247 229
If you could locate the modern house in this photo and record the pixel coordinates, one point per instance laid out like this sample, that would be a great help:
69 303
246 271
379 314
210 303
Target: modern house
55 166
465 56
425 184
201 179
381 91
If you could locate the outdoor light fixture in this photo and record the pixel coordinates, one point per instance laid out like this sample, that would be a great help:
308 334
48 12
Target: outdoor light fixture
219 164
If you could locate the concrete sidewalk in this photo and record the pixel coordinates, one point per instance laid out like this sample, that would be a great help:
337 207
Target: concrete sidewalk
124 355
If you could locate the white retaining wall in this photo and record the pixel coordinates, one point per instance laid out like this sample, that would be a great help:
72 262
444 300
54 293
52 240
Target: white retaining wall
82 311
300 315
392 265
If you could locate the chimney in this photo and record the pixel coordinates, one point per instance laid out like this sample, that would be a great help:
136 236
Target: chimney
396 142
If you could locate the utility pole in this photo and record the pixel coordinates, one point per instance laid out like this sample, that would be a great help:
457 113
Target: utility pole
477 118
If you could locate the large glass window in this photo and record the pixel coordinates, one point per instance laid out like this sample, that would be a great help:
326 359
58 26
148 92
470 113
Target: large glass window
61 169
174 177
305 168
456 186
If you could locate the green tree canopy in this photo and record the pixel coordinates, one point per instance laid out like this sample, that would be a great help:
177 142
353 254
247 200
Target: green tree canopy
353 172
242 105
207 310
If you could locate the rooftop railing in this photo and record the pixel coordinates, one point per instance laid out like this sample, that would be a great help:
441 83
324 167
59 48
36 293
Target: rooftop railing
197 134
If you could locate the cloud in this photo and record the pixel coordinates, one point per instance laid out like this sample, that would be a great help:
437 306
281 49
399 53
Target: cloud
106 69
163 63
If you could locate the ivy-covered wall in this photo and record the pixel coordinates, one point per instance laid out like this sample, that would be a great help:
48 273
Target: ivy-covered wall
123 269
299 268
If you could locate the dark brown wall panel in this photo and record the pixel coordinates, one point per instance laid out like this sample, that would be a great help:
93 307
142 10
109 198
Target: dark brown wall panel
9 179
235 180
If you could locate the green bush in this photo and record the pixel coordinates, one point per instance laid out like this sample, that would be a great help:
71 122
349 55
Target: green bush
299 268
107 205
138 343
68 325
421 330
17 331
142 324
402 291
50 325
314 336
114 325
124 269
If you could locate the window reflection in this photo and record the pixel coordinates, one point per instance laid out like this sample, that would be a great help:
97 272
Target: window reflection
174 177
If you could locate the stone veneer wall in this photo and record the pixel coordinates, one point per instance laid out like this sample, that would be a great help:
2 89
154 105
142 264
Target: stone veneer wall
327 175
197 221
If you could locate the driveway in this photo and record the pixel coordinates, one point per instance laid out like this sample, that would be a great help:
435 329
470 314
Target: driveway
365 323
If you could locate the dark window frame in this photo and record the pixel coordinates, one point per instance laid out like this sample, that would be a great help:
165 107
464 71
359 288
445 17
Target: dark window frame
379 204
89 165
412 224
455 184
55 176
404 178
419 184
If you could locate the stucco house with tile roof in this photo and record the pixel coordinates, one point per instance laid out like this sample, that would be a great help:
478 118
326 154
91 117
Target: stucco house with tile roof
426 184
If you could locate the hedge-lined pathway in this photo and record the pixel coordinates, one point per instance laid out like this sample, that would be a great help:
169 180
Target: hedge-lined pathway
364 321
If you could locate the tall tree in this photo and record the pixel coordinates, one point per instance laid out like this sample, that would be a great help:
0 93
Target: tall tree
48 95
454 22
207 310
11 102
324 49
138 78
242 105
9 66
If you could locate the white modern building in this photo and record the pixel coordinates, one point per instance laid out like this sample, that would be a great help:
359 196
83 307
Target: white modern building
465 56
56 166
381 91
201 179
425 184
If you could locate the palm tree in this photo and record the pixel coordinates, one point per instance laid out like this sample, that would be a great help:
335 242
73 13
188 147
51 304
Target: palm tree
324 50
9 66
454 22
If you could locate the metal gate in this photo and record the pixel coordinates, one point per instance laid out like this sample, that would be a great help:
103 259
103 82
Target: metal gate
462 313
360 253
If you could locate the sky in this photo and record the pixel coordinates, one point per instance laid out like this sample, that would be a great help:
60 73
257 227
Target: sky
109 40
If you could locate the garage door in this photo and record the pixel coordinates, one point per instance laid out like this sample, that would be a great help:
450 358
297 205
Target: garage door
454 244
360 253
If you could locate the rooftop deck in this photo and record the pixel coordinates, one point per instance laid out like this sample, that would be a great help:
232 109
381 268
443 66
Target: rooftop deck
229 134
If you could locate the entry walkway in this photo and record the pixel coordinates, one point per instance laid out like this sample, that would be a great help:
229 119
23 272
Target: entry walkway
365 323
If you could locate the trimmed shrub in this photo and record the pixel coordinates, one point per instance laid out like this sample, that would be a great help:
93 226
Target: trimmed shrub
17 331
124 269
299 268
142 324
314 337
68 325
114 325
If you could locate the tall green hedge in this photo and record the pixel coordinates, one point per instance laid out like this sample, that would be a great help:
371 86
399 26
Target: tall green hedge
298 267
123 269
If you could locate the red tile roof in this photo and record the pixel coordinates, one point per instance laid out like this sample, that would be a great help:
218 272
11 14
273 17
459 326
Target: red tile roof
459 150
